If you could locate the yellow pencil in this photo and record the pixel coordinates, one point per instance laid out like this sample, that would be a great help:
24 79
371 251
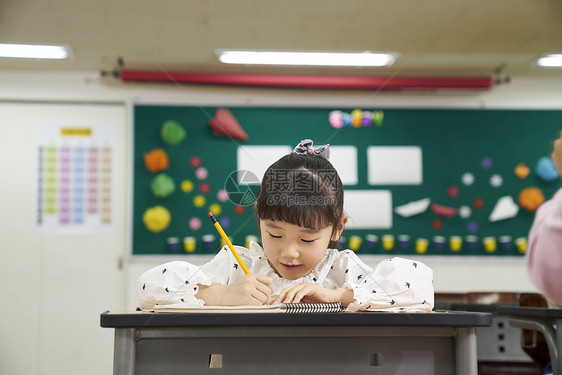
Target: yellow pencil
228 243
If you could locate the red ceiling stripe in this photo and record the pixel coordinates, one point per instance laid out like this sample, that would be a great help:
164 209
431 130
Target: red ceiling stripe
328 82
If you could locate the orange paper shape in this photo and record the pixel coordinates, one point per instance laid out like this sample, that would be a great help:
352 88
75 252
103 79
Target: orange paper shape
522 171
225 124
156 160
531 198
443 210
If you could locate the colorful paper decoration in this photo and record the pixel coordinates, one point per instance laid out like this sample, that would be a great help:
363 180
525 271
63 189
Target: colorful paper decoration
204 187
471 242
455 243
173 244
187 186
172 133
453 191
505 208
195 223
489 244
216 209
467 179
201 173
156 219
413 208
388 242
496 180
531 198
472 227
199 201
156 160
437 224
478 203
225 124
357 118
465 212
445 211
546 170
486 163
522 171
162 185
195 161
189 244
222 195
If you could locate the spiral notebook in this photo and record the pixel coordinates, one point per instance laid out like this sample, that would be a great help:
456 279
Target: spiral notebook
290 308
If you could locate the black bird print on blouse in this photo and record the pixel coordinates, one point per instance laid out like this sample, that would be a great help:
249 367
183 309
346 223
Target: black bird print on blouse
314 279
163 271
167 290
235 266
392 302
415 265
360 277
408 284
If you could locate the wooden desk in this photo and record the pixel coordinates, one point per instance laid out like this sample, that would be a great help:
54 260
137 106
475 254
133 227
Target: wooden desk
546 321
350 343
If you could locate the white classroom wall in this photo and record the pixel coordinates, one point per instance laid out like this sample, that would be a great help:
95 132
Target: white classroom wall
53 287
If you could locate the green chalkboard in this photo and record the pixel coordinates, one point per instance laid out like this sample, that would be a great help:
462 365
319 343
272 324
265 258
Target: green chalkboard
453 142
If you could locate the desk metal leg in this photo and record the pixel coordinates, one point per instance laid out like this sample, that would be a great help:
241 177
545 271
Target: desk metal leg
466 356
550 335
124 351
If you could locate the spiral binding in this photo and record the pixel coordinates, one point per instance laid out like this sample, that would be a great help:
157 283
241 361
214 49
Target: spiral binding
314 307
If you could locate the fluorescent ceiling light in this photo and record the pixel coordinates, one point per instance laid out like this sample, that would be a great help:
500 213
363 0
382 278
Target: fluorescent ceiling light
33 51
553 60
306 58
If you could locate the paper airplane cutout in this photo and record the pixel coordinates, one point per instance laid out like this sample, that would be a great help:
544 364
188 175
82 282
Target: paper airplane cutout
505 208
225 124
413 208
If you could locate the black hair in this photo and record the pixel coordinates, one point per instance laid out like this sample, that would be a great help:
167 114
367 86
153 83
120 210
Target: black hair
303 190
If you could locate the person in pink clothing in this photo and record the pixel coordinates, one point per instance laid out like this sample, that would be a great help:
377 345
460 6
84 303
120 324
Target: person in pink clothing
544 251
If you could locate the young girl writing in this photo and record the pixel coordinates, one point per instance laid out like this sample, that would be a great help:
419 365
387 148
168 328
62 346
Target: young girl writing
299 210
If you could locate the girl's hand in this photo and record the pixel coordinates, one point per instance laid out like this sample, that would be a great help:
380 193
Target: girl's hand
252 289
314 293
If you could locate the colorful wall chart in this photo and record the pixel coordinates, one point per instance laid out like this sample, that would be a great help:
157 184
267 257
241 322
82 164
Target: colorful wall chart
75 179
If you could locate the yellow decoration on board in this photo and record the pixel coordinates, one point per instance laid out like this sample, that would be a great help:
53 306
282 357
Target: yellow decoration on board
199 201
187 186
215 208
421 245
489 244
388 242
156 219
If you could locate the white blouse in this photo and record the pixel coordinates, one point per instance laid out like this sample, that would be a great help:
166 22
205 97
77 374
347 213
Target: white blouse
394 285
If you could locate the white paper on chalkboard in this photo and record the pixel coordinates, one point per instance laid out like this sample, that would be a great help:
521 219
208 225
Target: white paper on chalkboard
344 159
394 165
368 209
257 159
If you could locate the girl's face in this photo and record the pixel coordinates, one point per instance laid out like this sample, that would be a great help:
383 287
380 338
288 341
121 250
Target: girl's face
294 251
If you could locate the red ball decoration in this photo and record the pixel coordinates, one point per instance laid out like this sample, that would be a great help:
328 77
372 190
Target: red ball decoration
238 209
195 161
204 187
437 224
478 203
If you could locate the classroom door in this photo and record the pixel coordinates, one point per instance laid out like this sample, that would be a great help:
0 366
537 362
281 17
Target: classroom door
54 285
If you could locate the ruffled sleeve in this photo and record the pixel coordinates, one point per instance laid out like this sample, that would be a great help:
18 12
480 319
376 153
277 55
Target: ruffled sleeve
394 285
176 283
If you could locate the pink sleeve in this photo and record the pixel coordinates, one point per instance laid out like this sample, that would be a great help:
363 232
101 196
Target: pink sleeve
544 250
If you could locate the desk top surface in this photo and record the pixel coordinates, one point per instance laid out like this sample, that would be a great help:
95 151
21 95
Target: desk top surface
435 319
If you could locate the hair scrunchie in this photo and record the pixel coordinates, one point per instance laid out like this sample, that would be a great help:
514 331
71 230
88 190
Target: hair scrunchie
305 147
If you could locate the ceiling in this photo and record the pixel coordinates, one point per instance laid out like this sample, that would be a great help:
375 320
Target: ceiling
433 37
